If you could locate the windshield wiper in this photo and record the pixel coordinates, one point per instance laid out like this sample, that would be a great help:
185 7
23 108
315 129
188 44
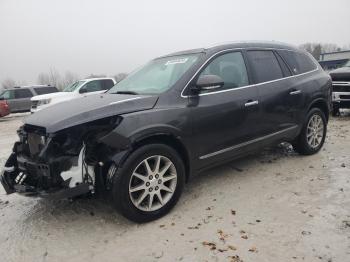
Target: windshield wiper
126 93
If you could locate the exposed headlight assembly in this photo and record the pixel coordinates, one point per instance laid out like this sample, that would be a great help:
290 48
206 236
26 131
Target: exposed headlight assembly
44 102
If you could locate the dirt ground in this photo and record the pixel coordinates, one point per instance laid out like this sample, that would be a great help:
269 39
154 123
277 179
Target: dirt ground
272 206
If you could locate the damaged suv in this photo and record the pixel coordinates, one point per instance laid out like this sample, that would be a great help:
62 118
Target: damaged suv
179 114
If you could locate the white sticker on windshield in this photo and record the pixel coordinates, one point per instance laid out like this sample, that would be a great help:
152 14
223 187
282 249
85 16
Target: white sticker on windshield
177 61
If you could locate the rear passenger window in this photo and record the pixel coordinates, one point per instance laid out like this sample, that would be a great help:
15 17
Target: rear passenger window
298 62
231 68
45 90
107 84
285 69
23 93
265 66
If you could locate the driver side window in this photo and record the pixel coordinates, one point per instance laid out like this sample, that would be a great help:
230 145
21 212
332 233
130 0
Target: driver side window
231 68
93 86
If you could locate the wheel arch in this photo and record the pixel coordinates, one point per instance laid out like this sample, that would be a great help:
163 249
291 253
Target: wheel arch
170 140
322 105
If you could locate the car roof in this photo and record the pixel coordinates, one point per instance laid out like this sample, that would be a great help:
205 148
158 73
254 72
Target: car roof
237 44
28 86
96 78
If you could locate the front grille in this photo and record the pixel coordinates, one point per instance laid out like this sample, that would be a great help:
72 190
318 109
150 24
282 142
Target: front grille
341 87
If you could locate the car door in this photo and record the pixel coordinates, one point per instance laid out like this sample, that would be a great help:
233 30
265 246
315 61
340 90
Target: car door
224 119
22 101
303 83
272 78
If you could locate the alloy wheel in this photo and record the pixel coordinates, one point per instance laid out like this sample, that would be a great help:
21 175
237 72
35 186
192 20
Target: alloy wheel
153 183
315 131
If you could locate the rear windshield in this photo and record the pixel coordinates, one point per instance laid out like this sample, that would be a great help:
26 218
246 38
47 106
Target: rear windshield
45 90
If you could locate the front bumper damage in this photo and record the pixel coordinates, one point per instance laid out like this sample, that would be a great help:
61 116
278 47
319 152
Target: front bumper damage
37 168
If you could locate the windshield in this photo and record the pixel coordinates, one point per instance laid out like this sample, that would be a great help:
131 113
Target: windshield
73 86
157 76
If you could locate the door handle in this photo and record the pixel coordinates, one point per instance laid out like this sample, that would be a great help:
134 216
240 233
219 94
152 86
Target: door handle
296 92
251 103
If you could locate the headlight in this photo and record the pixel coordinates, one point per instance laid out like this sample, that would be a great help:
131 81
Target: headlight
44 102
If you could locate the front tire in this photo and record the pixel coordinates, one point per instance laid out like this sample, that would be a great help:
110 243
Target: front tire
149 183
335 111
313 133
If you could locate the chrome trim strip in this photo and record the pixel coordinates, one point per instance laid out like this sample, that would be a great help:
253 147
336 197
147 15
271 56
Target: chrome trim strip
335 83
238 88
129 99
253 103
296 92
246 143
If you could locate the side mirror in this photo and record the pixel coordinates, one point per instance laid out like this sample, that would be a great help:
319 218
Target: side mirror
209 82
2 98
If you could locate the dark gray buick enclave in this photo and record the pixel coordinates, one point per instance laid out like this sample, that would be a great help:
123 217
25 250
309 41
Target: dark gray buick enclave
177 115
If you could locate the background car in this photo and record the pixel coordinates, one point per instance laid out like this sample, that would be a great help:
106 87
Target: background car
75 90
18 98
341 88
4 108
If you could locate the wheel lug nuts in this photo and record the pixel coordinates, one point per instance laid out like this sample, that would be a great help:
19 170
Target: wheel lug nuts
157 188
150 177
159 181
147 184
157 176
150 189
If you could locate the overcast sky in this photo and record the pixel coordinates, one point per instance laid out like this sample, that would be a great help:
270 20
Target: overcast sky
108 37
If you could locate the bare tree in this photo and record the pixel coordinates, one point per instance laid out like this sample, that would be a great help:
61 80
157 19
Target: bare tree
316 49
69 78
119 77
44 79
8 83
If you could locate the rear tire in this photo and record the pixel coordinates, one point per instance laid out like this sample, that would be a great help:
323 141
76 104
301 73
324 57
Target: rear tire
141 190
313 133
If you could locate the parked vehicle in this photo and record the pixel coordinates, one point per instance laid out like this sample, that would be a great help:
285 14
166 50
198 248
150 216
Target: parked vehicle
177 115
341 88
77 89
18 98
4 108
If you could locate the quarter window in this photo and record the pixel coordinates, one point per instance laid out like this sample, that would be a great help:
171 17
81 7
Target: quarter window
231 68
298 62
265 66
45 90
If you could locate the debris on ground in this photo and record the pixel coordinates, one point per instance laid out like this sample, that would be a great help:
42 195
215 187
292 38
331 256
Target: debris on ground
253 249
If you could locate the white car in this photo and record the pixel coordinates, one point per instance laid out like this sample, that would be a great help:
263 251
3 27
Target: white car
75 90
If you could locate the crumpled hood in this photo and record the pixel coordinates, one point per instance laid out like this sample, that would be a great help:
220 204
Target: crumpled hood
340 74
88 108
